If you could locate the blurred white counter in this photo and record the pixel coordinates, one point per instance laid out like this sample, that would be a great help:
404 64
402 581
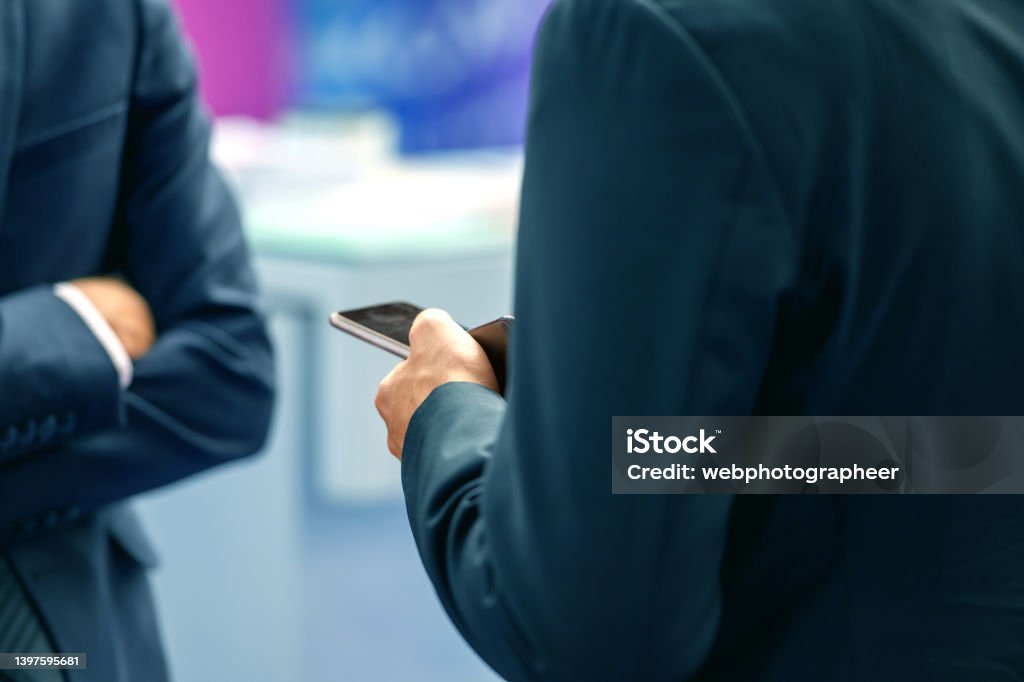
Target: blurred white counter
338 222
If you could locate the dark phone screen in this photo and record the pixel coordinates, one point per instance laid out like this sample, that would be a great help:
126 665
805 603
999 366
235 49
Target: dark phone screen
393 320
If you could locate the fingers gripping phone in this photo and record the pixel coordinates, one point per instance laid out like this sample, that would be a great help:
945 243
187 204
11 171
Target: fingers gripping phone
387 326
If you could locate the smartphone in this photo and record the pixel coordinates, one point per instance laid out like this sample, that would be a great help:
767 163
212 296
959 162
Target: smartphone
387 326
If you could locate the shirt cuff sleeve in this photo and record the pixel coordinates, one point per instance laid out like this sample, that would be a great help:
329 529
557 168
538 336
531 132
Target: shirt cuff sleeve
103 332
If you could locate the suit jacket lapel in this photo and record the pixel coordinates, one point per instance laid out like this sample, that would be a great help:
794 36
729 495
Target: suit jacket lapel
12 67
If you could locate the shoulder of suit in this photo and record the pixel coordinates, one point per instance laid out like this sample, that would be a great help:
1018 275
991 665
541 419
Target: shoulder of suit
793 39
70 24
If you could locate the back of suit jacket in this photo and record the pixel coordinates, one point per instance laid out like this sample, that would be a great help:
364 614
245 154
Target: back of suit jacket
894 133
104 169
808 208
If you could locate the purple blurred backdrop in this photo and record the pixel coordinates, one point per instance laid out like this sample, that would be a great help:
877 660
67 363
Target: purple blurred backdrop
244 54
455 73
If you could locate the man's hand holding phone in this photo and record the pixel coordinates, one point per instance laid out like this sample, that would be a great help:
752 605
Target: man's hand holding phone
440 352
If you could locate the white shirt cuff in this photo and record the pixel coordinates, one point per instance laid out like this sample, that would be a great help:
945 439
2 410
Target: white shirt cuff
103 332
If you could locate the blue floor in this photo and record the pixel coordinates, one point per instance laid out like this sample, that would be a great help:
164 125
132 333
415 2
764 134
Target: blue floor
249 592
369 606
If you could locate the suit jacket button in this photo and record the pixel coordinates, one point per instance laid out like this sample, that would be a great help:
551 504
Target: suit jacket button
67 424
48 428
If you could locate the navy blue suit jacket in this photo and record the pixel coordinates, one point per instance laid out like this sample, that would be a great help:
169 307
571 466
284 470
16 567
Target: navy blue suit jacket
735 207
104 168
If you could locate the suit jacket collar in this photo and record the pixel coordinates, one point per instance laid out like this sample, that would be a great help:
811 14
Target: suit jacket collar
12 67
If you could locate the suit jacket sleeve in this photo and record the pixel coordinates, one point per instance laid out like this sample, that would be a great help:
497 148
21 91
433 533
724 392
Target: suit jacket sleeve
652 250
55 378
203 393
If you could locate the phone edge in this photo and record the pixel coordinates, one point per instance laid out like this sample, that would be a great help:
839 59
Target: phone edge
374 338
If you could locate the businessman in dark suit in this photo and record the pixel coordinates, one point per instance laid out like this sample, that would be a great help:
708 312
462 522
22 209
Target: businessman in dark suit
738 207
131 350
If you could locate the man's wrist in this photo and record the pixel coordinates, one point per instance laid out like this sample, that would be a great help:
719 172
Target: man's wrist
103 332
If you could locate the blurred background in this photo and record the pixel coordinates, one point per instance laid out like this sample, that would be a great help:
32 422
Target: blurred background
375 146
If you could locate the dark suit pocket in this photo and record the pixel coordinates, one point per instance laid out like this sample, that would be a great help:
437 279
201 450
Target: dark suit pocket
74 140
127 534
